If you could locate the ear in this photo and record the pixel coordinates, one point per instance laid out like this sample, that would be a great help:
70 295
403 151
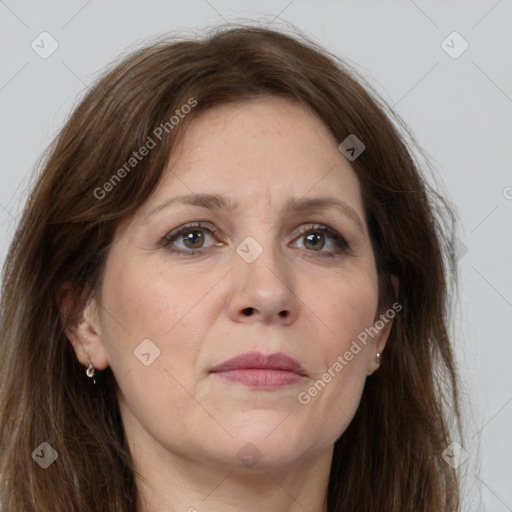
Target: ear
384 320
82 327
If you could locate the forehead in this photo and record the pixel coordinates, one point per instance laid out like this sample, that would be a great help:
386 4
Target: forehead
259 151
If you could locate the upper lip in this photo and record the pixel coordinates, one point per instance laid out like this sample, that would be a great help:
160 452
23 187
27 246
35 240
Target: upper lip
257 360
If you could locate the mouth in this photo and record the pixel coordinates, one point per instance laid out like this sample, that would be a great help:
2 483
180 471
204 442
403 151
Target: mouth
261 371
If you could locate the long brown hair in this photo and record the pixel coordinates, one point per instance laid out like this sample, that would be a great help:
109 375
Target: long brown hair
389 458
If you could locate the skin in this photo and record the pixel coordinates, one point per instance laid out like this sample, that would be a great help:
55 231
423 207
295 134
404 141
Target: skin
184 425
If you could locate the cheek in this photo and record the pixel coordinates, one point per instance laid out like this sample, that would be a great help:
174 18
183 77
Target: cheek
346 309
151 300
172 310
175 315
344 304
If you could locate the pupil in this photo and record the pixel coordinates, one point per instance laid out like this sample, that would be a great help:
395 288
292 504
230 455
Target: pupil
193 238
312 238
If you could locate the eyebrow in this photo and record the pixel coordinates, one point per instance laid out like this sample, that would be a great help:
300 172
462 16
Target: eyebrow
216 202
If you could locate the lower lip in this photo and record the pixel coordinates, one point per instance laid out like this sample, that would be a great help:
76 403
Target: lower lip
261 378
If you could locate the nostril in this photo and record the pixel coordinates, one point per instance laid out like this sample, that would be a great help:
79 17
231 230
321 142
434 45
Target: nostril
284 314
248 311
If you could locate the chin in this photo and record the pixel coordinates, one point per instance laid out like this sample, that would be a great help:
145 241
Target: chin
264 425
261 455
269 446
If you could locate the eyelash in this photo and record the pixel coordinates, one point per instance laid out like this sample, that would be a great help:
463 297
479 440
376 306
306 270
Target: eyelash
340 243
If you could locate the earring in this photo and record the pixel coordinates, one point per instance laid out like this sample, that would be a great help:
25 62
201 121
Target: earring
378 359
90 372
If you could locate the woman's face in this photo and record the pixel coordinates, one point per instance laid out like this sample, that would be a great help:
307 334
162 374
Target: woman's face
279 262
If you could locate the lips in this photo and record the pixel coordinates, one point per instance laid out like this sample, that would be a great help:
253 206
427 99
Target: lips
263 371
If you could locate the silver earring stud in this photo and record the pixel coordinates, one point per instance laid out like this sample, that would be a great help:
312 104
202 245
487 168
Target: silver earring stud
378 359
91 372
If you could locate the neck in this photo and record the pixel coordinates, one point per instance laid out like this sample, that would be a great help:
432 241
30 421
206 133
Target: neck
168 482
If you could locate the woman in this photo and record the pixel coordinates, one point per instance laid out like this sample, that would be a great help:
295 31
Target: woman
229 291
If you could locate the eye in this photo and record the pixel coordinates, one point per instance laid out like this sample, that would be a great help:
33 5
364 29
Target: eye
192 236
316 237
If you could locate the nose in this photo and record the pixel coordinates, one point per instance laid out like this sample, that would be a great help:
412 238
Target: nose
263 290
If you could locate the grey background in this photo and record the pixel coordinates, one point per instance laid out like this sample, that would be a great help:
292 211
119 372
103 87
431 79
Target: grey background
458 109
